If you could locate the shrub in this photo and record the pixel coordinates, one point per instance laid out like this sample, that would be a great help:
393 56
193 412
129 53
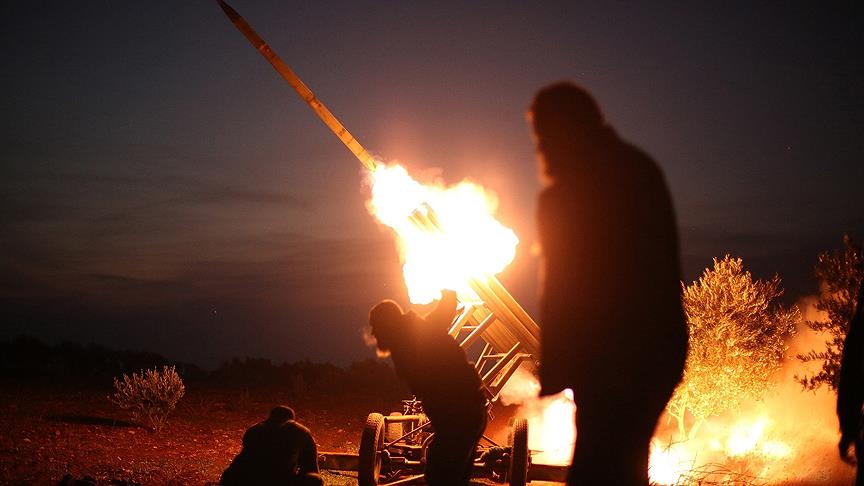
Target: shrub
150 395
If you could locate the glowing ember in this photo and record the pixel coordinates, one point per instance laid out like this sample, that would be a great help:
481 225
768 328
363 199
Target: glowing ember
472 242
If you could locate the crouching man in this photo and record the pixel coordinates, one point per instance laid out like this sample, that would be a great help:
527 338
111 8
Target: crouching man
438 373
277 451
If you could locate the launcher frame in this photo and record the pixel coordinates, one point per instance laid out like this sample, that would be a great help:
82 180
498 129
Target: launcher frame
393 447
511 340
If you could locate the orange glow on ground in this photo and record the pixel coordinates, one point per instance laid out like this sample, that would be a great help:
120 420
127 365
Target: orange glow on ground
748 440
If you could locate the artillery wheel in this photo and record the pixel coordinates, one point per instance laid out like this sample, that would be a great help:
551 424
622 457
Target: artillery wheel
517 473
394 430
371 443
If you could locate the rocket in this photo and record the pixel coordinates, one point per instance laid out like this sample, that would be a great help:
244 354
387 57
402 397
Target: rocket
300 87
512 334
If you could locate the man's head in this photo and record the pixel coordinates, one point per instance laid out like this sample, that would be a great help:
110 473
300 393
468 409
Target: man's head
384 320
281 414
566 120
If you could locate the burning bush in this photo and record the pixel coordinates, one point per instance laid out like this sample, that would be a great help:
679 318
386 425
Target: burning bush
738 336
150 395
840 272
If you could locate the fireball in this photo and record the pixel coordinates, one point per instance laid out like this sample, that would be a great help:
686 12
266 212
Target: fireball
471 243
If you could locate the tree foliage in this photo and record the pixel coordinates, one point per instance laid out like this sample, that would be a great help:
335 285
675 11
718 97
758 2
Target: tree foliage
738 334
840 272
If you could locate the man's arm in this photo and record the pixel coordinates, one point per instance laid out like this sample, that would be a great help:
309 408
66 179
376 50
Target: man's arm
442 316
307 461
554 315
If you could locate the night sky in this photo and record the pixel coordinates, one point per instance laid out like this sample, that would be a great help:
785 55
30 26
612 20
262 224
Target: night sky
162 188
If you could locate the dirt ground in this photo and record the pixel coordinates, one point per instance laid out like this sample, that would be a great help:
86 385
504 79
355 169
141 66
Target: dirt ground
47 433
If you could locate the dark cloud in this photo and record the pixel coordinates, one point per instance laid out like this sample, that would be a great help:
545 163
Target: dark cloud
169 190
105 217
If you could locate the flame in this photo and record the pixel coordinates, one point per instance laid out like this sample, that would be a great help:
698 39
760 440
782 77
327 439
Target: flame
742 448
667 464
789 437
472 242
718 453
554 431
728 451
551 430
748 437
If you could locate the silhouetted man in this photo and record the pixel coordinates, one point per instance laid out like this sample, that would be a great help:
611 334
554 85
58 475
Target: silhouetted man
611 319
436 369
850 389
277 451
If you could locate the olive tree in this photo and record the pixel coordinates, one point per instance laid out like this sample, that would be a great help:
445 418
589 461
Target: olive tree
840 272
738 335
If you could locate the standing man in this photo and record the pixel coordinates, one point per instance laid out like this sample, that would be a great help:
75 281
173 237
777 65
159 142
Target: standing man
850 389
612 324
438 373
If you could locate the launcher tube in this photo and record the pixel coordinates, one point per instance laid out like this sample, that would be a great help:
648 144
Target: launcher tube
504 311
523 317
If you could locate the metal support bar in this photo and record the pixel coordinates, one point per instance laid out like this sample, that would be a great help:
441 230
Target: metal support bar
460 321
501 363
340 461
490 441
412 432
401 418
408 480
531 342
475 334
502 377
481 360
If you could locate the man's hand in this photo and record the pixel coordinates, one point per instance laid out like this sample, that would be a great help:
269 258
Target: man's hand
845 446
448 296
443 314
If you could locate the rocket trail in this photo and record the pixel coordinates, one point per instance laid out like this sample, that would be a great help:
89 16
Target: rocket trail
300 87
